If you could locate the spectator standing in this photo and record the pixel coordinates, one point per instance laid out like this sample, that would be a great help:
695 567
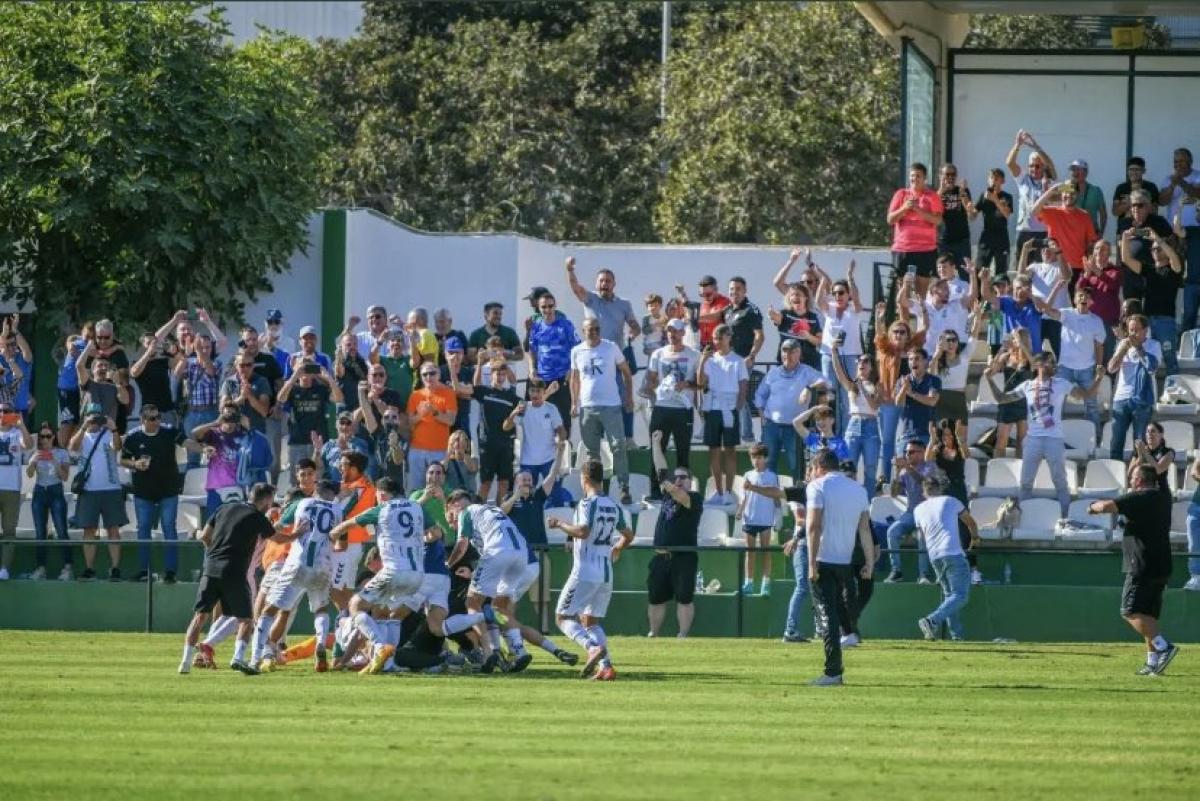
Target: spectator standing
11 379
778 401
1135 173
1179 193
542 429
493 315
1103 279
497 401
328 453
350 369
1081 358
954 236
48 467
95 447
551 338
1152 450
387 436
818 431
1134 362
308 352
1021 311
1090 197
836 512
68 388
222 440
796 549
947 309
711 312
1044 395
914 214
757 509
939 517
152 372
251 392
950 363
267 368
1030 185
1015 361
1147 555
276 339
797 322
306 395
149 453
417 326
597 399
457 367
996 206
1068 224
377 328
911 472
746 325
398 365
95 376
891 348
1049 281
917 396
1145 226
862 434
842 327
17 353
722 373
15 442
201 374
654 325
431 411
446 333
1163 280
672 574
671 382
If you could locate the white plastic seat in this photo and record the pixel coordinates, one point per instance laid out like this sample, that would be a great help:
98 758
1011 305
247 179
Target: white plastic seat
714 527
1189 485
187 519
1179 521
1102 450
1187 357
573 483
647 519
985 401
1073 405
1043 486
131 522
25 529
193 486
1078 512
980 351
1003 478
556 536
1103 478
972 477
639 485
1080 438
978 426
986 513
1038 518
1181 436
1191 383
885 508
1172 480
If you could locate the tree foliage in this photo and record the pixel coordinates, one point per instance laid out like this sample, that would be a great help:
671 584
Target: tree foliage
145 164
1044 32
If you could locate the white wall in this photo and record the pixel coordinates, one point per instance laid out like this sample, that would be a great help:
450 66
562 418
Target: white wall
336 19
296 292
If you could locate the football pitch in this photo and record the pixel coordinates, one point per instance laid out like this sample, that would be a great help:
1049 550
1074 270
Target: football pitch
106 716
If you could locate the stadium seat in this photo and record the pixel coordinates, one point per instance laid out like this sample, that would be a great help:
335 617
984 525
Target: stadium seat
1038 518
1189 485
1003 478
1187 358
1080 437
976 428
131 523
1179 521
985 512
1078 512
639 485
1180 435
573 483
714 527
187 519
1190 384
985 401
193 486
1043 487
647 519
1106 441
971 470
1075 406
555 536
1103 478
1173 480
885 509
25 522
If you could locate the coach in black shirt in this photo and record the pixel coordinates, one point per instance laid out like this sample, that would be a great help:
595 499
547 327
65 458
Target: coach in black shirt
673 573
1147 554
230 538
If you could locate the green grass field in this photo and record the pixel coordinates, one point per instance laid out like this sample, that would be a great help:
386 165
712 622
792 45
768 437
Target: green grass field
105 716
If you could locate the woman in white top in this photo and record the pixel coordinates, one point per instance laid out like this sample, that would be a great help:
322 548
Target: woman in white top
950 364
862 432
842 326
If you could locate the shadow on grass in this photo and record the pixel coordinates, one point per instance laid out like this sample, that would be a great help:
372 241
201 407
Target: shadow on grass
1015 687
1002 650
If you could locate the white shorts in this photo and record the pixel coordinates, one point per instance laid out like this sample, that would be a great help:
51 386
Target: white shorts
345 566
434 591
528 579
270 578
293 582
584 598
388 588
499 575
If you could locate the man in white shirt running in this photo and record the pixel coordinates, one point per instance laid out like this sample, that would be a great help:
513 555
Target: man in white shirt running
836 513
584 599
938 517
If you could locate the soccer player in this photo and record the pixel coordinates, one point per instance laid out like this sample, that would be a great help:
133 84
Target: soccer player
229 539
585 596
1147 550
306 571
400 530
502 561
757 513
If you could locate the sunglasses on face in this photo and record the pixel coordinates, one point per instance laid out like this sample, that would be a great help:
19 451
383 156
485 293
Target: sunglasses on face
839 292
427 374
45 436
681 477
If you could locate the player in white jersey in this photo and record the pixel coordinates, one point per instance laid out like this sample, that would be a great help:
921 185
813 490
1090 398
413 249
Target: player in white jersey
306 571
400 531
503 555
585 596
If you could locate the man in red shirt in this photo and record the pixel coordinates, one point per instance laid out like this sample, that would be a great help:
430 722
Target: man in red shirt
1071 227
712 309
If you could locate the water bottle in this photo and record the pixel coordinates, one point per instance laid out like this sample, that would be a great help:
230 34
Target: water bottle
1007 573
700 582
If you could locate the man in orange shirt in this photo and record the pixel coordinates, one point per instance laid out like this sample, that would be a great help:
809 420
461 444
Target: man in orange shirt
357 495
1069 226
431 411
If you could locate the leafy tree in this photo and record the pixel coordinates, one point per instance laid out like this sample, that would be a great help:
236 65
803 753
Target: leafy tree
1044 31
145 164
781 125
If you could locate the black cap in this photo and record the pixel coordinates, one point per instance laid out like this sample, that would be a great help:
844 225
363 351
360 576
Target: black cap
708 280
327 485
537 292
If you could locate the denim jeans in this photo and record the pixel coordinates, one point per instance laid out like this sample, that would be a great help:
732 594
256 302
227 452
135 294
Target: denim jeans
954 576
1191 303
626 417
605 421
190 421
862 438
1083 379
1166 331
161 513
1191 289
746 423
1193 532
50 501
801 593
1054 451
850 365
1124 415
889 421
780 438
904 525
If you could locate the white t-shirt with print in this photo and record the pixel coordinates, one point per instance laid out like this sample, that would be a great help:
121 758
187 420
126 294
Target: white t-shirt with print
1045 402
597 368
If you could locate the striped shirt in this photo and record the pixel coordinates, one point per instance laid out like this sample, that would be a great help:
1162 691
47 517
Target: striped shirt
203 388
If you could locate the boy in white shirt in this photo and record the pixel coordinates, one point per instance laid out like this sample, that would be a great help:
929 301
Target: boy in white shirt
757 512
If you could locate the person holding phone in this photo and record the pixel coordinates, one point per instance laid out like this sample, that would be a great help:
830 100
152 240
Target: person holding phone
48 467
1031 183
306 395
996 206
914 214
1163 279
954 237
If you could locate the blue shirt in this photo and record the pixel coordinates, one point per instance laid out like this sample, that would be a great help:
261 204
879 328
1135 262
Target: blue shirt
331 456
281 356
435 557
1027 317
778 395
551 344
21 396
68 379
815 442
915 417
